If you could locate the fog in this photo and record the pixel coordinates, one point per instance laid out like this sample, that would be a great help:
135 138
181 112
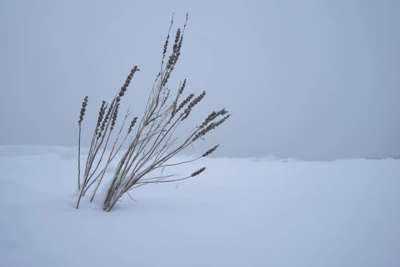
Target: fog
304 79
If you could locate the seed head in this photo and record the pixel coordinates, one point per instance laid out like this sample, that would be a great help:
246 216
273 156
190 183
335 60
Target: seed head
210 127
193 103
212 116
114 116
198 172
83 109
211 150
100 118
182 104
127 81
133 122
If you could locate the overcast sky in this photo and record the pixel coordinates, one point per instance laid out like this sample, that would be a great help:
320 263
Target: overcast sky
305 79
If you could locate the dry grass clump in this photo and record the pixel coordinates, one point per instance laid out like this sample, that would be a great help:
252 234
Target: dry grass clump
151 140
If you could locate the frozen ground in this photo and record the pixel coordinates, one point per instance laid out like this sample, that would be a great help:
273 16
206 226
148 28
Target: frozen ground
242 212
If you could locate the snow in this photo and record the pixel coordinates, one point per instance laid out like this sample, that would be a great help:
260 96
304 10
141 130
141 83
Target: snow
241 212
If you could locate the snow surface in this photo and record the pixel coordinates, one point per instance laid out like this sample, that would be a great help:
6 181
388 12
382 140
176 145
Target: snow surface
241 212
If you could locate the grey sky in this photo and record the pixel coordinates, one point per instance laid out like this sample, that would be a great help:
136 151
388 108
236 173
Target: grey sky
308 79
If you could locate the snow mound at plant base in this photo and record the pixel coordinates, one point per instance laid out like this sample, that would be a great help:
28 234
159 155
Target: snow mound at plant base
240 212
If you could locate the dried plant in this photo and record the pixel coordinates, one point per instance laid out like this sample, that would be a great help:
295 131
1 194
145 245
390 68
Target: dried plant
151 140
